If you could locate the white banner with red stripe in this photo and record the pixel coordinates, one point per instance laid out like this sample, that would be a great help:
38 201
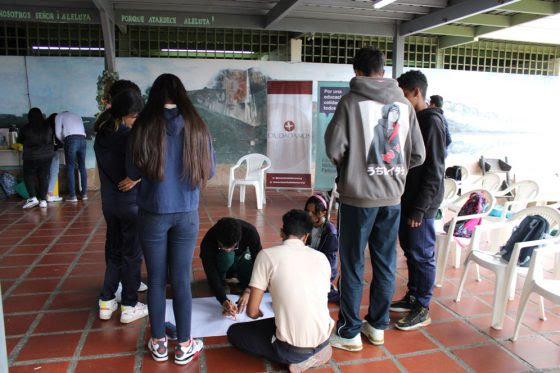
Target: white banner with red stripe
289 133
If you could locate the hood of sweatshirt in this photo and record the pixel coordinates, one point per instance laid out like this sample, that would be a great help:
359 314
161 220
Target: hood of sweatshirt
174 122
429 111
107 140
381 90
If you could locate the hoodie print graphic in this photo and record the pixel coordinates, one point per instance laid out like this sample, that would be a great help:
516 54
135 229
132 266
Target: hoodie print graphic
384 126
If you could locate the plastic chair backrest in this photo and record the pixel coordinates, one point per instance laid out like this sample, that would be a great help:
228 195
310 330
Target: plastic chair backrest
464 173
551 215
525 190
450 188
490 182
254 165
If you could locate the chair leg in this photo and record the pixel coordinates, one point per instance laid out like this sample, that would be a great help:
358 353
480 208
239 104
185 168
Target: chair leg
242 193
500 300
527 290
543 314
441 259
512 289
263 193
457 250
230 194
463 279
478 278
259 197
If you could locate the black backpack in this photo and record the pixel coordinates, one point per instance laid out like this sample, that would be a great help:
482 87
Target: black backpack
532 228
453 172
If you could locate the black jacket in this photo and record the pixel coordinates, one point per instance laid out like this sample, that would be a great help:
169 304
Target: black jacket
209 250
110 152
328 245
423 191
37 144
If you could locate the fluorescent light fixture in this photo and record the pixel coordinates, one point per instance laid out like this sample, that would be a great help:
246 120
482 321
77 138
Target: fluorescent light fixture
380 4
43 48
205 51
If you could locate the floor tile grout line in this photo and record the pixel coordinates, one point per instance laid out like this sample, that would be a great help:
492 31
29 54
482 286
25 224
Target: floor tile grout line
140 350
15 222
17 349
445 350
81 341
68 359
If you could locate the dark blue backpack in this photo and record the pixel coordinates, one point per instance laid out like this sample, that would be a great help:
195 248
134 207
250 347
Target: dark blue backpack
532 228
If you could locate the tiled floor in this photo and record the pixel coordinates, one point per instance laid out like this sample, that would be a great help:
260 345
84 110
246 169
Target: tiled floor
51 269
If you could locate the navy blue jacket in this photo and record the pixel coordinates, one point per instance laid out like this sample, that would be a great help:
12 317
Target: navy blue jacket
110 152
328 245
174 193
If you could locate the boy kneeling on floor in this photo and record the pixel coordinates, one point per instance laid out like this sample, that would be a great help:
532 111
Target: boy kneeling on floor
298 279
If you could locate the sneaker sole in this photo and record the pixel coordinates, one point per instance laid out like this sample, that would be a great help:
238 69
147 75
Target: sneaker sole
157 358
133 319
376 342
351 348
105 317
399 309
186 361
415 326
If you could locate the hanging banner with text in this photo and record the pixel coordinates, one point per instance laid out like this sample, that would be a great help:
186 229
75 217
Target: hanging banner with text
289 133
47 14
329 93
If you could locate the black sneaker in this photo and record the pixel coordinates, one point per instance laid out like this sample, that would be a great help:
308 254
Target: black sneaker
403 305
417 317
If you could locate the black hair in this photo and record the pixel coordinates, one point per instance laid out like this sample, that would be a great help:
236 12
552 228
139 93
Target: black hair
122 85
436 100
126 102
414 79
35 118
296 223
319 204
369 60
228 231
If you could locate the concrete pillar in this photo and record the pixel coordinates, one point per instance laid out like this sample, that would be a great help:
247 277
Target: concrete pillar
295 50
398 53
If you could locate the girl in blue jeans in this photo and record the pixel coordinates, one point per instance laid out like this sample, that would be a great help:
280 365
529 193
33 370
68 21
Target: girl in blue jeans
172 154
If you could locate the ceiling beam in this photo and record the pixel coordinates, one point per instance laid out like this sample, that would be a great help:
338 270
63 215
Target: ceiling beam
451 30
452 41
451 14
280 10
493 20
543 8
107 7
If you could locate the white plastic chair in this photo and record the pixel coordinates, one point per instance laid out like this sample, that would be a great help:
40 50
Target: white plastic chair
446 242
334 198
450 189
506 272
536 283
523 192
491 182
464 176
256 165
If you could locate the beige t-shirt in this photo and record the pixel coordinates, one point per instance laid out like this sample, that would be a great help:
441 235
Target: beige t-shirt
298 279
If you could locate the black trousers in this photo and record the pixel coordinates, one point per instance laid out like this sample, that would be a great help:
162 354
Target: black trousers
123 253
255 338
36 177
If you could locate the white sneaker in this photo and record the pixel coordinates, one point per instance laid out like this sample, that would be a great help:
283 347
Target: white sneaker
31 202
184 355
143 287
348 344
130 314
106 308
375 336
54 199
43 204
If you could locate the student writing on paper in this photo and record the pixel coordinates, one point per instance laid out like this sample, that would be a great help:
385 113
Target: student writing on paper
228 251
298 278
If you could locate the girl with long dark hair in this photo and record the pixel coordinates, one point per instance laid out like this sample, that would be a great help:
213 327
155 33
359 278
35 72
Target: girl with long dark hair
122 247
38 148
172 153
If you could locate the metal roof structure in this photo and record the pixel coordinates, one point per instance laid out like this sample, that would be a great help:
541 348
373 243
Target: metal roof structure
454 22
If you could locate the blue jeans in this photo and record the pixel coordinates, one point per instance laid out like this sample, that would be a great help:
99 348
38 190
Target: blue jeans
123 254
168 242
75 149
377 227
418 245
55 165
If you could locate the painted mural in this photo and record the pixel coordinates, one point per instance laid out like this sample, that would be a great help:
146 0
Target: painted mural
494 115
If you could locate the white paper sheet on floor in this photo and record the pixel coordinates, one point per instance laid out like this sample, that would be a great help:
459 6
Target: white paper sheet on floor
207 318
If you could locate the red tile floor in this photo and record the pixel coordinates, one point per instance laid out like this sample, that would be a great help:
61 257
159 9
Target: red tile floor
51 269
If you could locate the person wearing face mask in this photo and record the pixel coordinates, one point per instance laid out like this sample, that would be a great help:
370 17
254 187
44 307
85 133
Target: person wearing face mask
229 250
323 237
122 247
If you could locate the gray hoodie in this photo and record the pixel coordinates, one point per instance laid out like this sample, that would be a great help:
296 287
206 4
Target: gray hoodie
373 139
